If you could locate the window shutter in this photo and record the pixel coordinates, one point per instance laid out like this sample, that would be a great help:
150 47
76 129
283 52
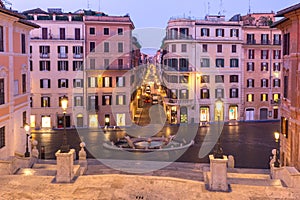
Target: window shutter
58 65
237 32
110 99
117 99
231 32
222 32
40 49
123 81
40 65
73 49
110 81
67 83
81 49
42 102
81 83
103 100
67 63
41 83
124 99
66 49
74 83
202 32
48 101
89 81
58 49
48 49
96 81
49 83
208 32
59 83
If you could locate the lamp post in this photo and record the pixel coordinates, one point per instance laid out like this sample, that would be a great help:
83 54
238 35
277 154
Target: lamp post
65 148
277 136
218 151
27 128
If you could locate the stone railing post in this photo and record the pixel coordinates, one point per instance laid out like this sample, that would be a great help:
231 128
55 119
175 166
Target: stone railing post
82 159
218 174
64 166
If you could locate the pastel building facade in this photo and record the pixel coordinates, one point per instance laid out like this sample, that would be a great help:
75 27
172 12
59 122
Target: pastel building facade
14 81
290 99
57 68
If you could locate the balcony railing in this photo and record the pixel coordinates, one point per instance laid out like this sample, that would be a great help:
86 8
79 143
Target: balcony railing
265 42
179 37
55 37
275 102
62 55
44 55
251 41
277 42
78 55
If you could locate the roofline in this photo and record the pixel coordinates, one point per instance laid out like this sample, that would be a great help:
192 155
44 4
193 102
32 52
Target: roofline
9 12
282 12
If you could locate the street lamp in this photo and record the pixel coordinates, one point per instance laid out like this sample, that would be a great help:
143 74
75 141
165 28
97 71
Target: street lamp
65 148
218 151
277 135
27 128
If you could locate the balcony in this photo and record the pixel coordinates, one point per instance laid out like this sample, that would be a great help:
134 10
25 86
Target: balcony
182 102
251 41
277 42
275 102
179 37
44 55
62 55
265 42
55 37
78 56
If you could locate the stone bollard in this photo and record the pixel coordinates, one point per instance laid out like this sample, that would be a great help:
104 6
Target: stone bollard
82 159
34 151
230 161
64 166
218 174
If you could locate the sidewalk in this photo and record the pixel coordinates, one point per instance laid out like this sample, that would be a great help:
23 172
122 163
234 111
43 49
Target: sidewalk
176 181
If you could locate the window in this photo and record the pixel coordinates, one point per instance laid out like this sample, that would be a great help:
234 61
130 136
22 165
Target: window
219 79
276 97
250 66
233 78
107 82
277 39
92 82
184 94
233 93
204 79
264 54
276 67
62 51
120 63
44 65
92 63
45 101
92 31
120 81
173 47
219 93
45 33
120 47
24 85
1 39
2 137
205 62
120 100
251 54
120 31
16 87
77 65
219 32
251 39
31 65
45 83
265 39
2 93
233 48
183 48
285 86
106 63
44 51
250 83
77 51
92 46
234 62
264 83
276 54
264 97
264 66
219 62
106 47
78 101
63 65
62 33
106 31
93 102
204 48
77 33
106 100
173 94
250 97
183 64
205 32
276 82
78 83
234 32
204 94
219 48
23 43
63 83
286 44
